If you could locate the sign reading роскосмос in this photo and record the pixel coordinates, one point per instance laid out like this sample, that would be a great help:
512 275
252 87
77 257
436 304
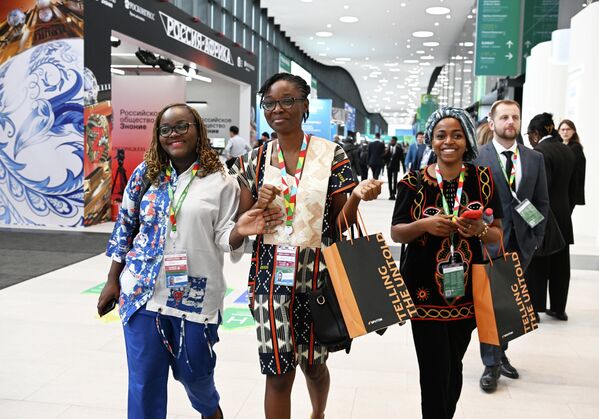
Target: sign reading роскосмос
189 36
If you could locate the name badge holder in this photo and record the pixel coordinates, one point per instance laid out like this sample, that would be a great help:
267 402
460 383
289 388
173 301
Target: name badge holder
529 213
453 273
175 269
285 266
175 262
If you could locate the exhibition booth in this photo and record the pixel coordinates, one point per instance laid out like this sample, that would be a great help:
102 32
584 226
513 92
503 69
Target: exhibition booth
77 106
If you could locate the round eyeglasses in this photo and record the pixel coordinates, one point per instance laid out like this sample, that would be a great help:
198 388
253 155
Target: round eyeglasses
180 128
286 103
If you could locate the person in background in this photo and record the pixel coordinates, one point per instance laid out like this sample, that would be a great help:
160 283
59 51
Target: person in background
553 266
394 155
414 149
484 134
184 220
442 246
315 175
353 154
569 135
264 138
519 175
364 160
376 154
236 146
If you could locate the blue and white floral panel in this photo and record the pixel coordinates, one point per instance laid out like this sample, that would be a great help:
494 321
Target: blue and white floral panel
41 136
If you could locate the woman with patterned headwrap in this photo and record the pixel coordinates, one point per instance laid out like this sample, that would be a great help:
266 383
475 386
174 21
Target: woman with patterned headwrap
442 246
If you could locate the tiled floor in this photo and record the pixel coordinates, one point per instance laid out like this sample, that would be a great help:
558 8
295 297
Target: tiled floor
58 360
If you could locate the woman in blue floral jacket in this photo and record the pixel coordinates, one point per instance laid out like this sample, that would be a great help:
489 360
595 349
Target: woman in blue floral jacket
167 251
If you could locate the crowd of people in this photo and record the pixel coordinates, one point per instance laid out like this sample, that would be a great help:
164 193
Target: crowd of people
182 211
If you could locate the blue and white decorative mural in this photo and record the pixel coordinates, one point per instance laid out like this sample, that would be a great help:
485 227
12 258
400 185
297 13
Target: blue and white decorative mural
41 135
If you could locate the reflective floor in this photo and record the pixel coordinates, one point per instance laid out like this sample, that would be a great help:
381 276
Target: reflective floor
59 360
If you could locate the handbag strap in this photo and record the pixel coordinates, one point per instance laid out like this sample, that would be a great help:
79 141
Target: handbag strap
359 225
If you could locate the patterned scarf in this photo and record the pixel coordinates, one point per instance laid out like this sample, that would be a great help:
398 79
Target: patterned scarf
467 125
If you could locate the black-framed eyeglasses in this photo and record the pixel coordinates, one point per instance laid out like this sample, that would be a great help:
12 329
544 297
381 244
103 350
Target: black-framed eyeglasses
286 103
180 128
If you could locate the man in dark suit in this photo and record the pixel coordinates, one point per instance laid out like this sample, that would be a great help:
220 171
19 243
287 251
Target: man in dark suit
376 154
393 156
519 174
554 264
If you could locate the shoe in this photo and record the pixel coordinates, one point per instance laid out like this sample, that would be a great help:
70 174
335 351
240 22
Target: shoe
507 370
392 198
219 411
560 316
488 381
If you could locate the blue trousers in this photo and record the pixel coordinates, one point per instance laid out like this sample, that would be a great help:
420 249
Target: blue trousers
148 361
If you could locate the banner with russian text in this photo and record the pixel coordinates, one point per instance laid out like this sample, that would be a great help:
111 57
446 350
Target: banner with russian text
135 101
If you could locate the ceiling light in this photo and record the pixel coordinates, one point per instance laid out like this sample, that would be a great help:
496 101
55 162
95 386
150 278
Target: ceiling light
447 16
390 64
348 19
403 5
468 44
323 54
410 61
329 25
427 57
306 1
346 7
320 43
394 69
423 64
422 34
324 34
437 10
343 59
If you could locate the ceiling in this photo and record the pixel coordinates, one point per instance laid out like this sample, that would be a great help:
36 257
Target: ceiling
390 65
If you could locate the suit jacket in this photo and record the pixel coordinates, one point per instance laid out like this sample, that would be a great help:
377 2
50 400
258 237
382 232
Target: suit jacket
579 173
376 153
533 186
559 165
411 155
394 159
432 157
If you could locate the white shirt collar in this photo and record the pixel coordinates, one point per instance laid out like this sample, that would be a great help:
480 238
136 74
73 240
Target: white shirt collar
544 138
500 149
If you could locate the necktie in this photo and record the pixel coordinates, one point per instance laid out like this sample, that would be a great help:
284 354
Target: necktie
509 164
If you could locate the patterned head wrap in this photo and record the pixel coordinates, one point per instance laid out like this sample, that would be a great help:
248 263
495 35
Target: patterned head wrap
467 125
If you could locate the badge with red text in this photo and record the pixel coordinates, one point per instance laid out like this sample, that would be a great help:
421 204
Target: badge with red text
285 266
175 268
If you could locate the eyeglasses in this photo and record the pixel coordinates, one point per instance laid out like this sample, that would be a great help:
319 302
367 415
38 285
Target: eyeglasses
286 103
180 128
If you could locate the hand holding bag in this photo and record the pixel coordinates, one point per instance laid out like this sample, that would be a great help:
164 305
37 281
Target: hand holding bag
370 290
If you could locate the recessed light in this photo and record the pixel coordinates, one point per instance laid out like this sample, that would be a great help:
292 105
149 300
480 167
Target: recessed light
410 61
430 44
436 23
306 1
390 64
348 19
423 64
324 34
323 54
403 5
329 25
420 51
346 7
427 57
437 10
422 34
342 59
447 16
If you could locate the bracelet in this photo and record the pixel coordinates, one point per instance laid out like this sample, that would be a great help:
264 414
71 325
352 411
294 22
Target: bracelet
484 232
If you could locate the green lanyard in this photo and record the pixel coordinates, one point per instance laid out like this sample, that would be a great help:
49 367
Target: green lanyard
174 209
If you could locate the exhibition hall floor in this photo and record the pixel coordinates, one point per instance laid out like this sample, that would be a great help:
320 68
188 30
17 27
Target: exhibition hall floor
59 360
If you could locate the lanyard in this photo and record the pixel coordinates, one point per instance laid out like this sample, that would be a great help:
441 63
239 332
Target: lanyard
290 192
458 194
175 207
512 178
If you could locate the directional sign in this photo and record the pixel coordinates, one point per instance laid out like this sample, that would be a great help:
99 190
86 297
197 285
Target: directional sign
540 20
498 38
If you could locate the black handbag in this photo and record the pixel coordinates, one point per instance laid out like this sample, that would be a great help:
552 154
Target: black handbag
329 327
553 241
